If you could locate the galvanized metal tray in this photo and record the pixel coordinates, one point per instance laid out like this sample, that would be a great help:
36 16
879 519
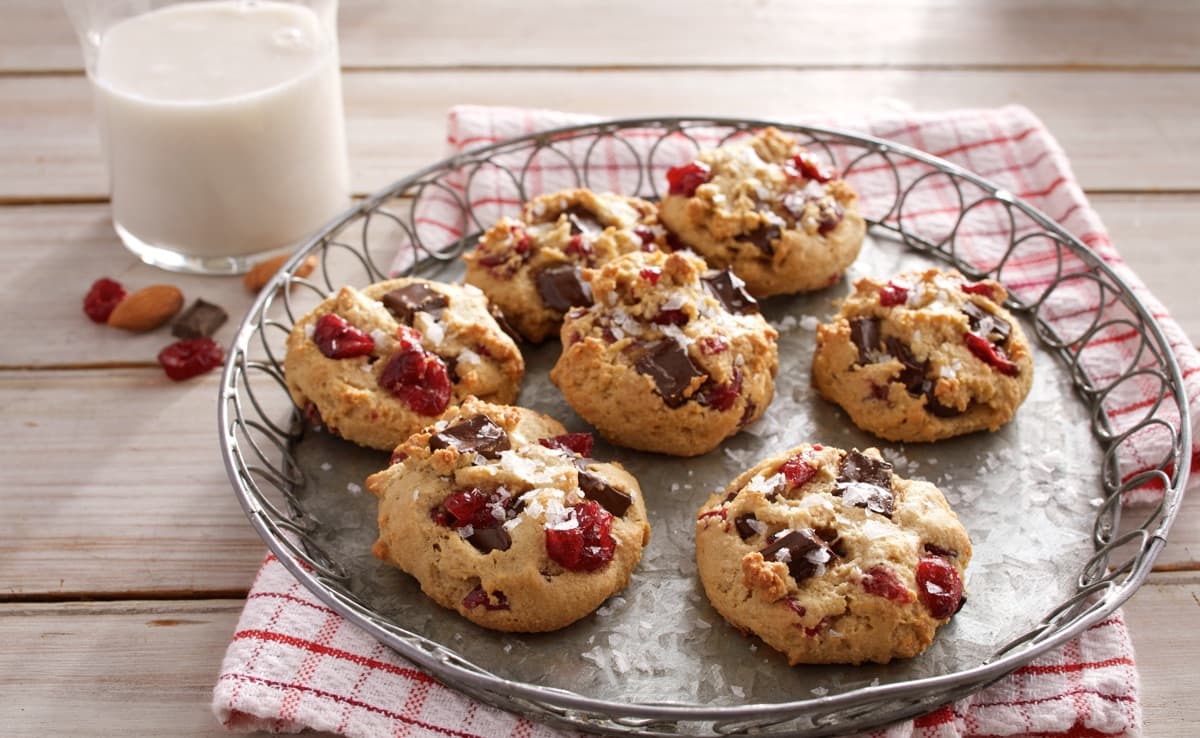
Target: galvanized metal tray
1041 497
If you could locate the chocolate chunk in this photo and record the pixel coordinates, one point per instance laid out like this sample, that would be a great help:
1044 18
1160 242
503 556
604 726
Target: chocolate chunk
404 303
762 238
742 523
992 327
730 291
668 364
490 539
200 320
609 497
864 334
869 480
583 220
798 544
477 434
912 375
937 409
502 321
562 287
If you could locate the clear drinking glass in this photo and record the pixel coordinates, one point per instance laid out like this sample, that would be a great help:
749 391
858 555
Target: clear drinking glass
222 124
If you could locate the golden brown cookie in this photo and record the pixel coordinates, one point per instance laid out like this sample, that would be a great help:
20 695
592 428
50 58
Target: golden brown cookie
924 356
766 209
503 516
672 357
380 363
532 267
831 558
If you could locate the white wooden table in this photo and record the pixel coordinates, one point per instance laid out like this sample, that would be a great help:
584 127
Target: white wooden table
124 557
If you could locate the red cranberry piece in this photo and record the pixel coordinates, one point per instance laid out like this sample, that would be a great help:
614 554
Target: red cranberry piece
419 379
578 247
938 586
588 546
102 299
806 167
651 275
685 179
795 607
797 470
647 237
717 513
521 242
337 339
883 582
712 345
893 294
397 457
467 506
670 317
722 396
980 288
991 354
191 357
479 598
580 443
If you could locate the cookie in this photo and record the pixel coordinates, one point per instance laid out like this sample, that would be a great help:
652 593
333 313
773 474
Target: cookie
766 209
672 357
924 356
831 558
531 267
378 364
503 517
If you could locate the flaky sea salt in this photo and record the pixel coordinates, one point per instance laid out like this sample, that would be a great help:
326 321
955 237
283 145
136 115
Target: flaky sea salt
819 691
353 488
467 356
326 466
809 322
309 330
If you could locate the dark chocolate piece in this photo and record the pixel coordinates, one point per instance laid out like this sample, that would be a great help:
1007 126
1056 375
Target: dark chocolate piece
490 539
742 523
583 220
762 237
502 321
864 334
937 409
798 544
609 497
200 320
912 375
562 287
859 469
730 291
405 302
992 327
477 434
668 364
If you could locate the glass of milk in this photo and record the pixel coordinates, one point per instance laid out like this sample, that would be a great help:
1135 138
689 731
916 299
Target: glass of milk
222 124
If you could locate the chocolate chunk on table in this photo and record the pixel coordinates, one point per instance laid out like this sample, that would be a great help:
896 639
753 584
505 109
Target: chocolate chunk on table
200 320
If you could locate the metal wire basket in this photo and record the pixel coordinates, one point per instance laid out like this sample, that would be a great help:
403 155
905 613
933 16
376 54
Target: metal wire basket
262 434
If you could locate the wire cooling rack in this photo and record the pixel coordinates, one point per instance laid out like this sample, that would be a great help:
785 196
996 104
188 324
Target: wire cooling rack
431 216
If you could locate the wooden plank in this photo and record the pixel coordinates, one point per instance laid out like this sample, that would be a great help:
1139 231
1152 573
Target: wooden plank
925 33
164 658
114 484
49 148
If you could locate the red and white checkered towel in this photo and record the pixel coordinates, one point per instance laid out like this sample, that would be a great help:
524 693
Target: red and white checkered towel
295 664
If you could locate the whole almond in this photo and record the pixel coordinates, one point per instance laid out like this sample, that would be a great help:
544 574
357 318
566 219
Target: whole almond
257 278
147 309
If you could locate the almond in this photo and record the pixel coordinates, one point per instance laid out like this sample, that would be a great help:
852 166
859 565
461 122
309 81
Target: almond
147 309
261 274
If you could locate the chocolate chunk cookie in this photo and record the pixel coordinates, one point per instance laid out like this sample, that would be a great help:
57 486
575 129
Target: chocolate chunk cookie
503 516
924 356
380 363
532 267
831 558
672 356
765 208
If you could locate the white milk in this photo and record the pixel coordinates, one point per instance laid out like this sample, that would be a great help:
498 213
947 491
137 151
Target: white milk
223 126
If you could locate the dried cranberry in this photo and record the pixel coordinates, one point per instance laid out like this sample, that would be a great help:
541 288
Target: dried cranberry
938 586
980 288
191 357
647 237
795 607
712 345
580 443
806 167
722 396
468 507
578 247
797 470
589 545
337 339
883 582
717 513
893 294
102 299
670 317
397 457
478 597
419 379
651 275
685 179
991 354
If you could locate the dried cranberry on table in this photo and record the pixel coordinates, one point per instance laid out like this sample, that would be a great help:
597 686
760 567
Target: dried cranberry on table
102 299
191 357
